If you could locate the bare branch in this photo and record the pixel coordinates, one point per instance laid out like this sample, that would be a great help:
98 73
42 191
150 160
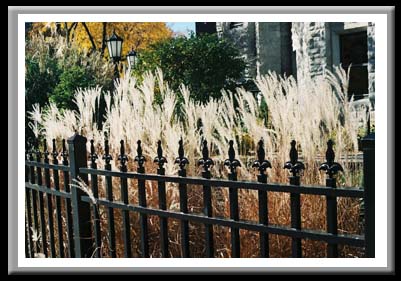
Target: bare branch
104 37
89 35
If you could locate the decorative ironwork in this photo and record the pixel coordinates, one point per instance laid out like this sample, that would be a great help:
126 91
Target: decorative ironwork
123 158
331 167
262 164
231 162
205 161
64 153
160 159
45 151
139 157
294 165
106 156
93 156
181 160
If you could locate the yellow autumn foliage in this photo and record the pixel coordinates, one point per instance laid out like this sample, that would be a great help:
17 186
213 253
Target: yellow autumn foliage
137 35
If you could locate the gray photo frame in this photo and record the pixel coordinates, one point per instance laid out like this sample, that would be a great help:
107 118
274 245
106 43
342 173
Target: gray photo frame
13 175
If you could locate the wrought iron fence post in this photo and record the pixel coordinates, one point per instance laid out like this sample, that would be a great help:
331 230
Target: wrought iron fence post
109 195
68 204
182 161
206 162
49 201
295 168
161 160
123 158
331 168
40 200
29 210
80 210
96 216
143 218
262 164
56 182
233 163
368 147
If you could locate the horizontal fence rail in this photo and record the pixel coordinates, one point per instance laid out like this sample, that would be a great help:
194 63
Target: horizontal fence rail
315 190
63 217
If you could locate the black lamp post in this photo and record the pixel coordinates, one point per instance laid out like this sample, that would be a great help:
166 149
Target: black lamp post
132 58
114 45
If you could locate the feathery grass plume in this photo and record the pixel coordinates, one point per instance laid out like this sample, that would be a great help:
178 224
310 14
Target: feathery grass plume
310 111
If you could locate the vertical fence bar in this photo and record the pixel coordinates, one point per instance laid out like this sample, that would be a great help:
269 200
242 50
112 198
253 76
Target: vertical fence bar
27 253
262 164
34 201
96 216
206 162
124 198
295 167
81 210
332 249
160 160
58 203
109 195
49 202
295 202
233 163
41 204
182 188
68 203
143 218
368 147
331 168
31 252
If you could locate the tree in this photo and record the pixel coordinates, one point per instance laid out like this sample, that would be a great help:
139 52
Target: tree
92 35
205 64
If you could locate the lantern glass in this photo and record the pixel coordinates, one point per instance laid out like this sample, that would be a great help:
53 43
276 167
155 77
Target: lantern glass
114 44
132 59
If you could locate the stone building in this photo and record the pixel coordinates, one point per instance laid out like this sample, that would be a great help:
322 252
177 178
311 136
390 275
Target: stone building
287 48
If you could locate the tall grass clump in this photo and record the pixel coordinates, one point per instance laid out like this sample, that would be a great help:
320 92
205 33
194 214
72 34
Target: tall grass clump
310 112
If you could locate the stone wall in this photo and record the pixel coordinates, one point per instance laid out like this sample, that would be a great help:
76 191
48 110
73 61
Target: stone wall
243 37
274 50
311 41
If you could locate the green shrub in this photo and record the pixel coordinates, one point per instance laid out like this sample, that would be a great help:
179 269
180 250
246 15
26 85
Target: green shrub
70 80
206 64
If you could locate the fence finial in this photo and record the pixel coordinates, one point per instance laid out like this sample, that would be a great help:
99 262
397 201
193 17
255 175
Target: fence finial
93 156
122 157
331 167
139 157
205 161
294 165
160 159
107 157
54 150
262 164
65 152
181 160
231 162
45 150
37 150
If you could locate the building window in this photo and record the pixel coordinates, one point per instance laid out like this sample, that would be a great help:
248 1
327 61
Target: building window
235 24
354 52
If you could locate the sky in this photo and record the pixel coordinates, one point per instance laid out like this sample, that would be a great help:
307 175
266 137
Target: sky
182 27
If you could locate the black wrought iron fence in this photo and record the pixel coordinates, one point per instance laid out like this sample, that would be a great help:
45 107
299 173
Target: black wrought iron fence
80 235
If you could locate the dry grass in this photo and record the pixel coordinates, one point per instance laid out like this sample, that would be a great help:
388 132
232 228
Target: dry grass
311 112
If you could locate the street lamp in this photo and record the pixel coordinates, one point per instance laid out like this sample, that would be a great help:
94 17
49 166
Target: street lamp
114 45
131 57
